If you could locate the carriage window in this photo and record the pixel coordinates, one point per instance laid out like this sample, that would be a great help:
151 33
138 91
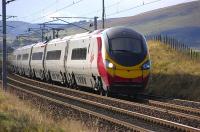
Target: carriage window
25 57
13 57
18 57
37 56
53 55
79 54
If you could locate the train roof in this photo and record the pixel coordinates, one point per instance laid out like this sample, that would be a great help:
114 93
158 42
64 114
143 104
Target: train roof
27 46
54 40
116 32
97 31
80 35
66 37
24 47
39 44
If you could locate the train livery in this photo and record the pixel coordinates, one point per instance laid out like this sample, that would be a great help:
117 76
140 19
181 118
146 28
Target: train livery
111 60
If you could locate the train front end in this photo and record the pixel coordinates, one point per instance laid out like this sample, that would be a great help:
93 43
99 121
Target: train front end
126 61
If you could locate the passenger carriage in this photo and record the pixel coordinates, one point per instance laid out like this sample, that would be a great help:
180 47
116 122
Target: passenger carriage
111 60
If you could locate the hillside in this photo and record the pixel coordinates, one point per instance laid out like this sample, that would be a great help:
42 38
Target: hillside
15 28
181 21
174 74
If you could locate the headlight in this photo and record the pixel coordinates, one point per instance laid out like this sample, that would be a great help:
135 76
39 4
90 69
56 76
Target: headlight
109 64
146 65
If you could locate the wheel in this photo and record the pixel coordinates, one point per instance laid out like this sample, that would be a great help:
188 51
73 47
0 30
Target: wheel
103 92
33 74
42 77
23 72
13 69
107 94
20 72
74 84
47 77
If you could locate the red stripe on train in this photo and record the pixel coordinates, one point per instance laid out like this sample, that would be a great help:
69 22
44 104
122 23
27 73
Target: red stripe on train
100 65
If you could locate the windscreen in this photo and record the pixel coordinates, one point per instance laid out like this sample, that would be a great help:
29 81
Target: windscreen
128 45
127 51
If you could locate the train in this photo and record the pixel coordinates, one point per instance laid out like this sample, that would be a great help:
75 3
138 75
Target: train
112 60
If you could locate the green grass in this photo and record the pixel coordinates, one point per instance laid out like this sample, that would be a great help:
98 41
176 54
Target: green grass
8 122
174 74
19 116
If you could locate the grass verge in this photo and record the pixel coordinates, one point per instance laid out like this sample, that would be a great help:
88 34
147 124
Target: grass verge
174 74
17 115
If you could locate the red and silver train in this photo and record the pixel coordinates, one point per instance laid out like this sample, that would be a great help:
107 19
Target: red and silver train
111 60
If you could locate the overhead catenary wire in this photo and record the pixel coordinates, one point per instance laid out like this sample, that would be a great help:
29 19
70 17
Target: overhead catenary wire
73 24
74 17
39 11
138 6
106 7
58 10
8 26
9 16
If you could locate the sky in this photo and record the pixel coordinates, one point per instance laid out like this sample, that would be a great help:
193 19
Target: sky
38 11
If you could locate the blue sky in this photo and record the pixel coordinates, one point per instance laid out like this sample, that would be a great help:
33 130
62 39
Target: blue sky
37 11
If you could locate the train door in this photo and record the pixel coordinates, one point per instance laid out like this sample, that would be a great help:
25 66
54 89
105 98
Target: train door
29 62
66 78
82 57
85 61
44 58
66 55
92 56
85 55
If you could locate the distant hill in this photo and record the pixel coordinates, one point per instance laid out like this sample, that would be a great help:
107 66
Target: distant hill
181 21
15 28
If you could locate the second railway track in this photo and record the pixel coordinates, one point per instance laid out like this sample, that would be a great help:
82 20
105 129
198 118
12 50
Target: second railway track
142 115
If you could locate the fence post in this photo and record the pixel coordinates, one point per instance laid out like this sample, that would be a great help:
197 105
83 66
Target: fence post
171 44
188 50
191 53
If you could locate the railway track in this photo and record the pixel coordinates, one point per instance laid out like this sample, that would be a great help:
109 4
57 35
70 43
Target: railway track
120 111
186 103
185 106
171 106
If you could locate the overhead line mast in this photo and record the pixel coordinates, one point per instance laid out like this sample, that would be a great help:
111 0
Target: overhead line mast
103 14
4 66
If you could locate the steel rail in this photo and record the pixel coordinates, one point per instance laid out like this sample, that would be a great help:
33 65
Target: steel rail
181 102
188 101
193 104
101 116
108 99
154 120
175 107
